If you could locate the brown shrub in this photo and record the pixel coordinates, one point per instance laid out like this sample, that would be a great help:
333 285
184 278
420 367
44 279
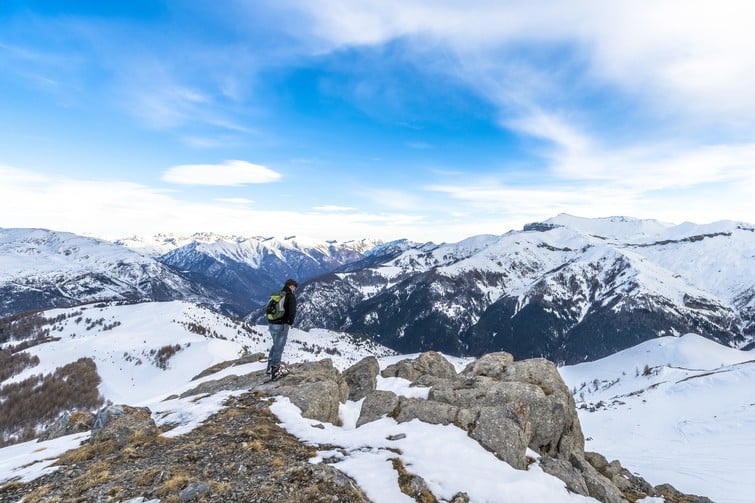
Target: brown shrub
14 363
41 399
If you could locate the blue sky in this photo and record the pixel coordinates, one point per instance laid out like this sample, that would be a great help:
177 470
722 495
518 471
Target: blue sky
339 120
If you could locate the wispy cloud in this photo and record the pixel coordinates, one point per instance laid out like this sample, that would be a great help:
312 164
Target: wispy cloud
115 209
333 208
702 184
242 201
229 173
676 52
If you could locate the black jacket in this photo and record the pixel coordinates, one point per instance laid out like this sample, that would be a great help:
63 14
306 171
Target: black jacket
289 305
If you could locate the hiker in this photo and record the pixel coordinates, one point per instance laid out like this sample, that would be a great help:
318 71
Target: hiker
279 326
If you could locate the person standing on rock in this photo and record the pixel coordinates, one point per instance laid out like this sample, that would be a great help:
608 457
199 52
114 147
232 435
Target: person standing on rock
279 324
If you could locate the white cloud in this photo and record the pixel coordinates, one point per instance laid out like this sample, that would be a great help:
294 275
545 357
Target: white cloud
115 209
333 208
697 184
229 173
235 200
448 212
690 59
394 199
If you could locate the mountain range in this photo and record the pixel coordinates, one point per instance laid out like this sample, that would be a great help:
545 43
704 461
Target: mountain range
40 269
570 289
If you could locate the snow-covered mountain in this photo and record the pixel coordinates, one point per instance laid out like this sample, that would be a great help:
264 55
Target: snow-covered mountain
249 268
40 269
569 289
673 409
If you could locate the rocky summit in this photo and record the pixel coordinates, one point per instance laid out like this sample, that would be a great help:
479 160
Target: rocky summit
511 408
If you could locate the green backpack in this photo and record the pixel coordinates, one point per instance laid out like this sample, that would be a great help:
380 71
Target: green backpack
275 310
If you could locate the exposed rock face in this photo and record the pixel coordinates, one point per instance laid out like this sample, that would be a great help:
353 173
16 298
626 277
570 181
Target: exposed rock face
377 404
362 377
430 363
508 406
68 423
316 388
122 423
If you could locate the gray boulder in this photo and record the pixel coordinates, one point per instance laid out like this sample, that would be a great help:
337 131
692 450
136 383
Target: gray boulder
669 493
499 432
362 377
426 411
598 486
430 363
565 471
507 406
626 481
194 490
123 424
489 365
376 405
317 388
67 424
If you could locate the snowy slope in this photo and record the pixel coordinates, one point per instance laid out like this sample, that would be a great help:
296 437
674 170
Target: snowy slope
39 253
680 410
125 354
619 228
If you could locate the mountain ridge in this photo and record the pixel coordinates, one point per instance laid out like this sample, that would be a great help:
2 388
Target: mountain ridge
531 291
567 288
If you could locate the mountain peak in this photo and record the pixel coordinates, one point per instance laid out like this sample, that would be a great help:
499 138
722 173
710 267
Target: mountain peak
621 228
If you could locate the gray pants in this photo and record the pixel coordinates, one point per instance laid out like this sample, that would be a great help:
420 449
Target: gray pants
280 335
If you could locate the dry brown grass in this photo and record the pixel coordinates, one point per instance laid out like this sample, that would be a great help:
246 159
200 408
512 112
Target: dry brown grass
174 484
405 484
147 477
39 495
87 452
235 412
11 485
220 487
255 445
96 475
129 453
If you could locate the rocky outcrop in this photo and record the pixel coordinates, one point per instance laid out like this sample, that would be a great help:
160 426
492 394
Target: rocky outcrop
122 424
317 388
428 364
507 406
362 377
67 424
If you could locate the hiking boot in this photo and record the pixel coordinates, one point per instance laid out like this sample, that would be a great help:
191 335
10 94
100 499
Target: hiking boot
278 371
